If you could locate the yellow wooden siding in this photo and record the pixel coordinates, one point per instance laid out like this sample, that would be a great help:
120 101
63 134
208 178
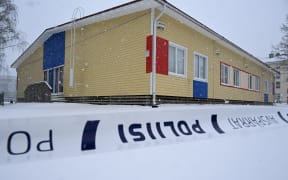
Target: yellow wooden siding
110 57
181 34
110 60
30 71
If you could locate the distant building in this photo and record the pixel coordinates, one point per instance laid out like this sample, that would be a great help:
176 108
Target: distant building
281 80
8 86
108 57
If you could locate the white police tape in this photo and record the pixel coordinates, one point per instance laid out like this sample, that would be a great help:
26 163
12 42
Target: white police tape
30 139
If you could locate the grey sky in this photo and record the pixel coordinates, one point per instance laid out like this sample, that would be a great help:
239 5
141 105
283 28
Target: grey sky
254 25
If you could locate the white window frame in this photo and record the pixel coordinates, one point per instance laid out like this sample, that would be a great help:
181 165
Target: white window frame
196 65
250 81
176 46
237 82
257 83
222 76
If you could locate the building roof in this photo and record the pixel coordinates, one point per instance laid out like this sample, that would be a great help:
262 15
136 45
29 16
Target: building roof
132 7
277 62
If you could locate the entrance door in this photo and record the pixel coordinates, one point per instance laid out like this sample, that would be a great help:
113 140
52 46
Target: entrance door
55 79
58 80
51 78
266 98
200 82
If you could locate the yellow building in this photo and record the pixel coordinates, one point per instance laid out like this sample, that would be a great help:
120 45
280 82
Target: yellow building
107 57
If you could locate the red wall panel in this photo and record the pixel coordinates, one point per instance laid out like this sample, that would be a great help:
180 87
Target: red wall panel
162 55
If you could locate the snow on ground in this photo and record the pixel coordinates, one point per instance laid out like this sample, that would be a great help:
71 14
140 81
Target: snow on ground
20 110
251 153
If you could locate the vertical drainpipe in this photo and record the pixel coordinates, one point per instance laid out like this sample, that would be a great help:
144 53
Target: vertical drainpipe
154 53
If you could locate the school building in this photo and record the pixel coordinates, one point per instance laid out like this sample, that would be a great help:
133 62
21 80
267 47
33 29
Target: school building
281 80
108 57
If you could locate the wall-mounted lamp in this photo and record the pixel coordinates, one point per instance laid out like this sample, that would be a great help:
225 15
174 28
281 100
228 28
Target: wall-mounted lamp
246 65
217 52
160 25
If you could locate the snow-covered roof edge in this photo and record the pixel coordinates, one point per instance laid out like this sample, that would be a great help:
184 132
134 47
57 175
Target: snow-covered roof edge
134 6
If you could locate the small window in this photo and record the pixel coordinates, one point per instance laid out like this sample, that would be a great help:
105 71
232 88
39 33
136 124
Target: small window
200 67
236 78
177 60
257 83
224 74
250 81
278 85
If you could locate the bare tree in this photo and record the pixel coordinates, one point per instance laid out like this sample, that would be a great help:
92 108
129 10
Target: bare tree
9 36
281 50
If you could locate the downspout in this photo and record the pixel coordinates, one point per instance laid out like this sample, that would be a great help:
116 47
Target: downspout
154 55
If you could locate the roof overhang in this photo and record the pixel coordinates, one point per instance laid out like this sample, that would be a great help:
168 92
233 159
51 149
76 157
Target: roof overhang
136 6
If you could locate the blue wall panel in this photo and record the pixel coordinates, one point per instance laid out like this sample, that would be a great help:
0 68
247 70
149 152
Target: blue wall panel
266 98
54 51
200 89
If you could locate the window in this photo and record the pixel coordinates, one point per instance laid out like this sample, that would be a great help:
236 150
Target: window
200 67
177 59
236 76
271 88
277 76
224 74
250 81
266 88
257 83
278 85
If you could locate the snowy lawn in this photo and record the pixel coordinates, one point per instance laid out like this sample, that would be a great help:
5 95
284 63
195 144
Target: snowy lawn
247 142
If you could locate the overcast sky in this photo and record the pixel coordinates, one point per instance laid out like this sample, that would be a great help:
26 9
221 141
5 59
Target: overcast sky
254 25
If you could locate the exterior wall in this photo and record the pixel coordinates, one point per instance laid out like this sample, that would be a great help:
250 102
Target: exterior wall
110 60
30 71
182 35
110 57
